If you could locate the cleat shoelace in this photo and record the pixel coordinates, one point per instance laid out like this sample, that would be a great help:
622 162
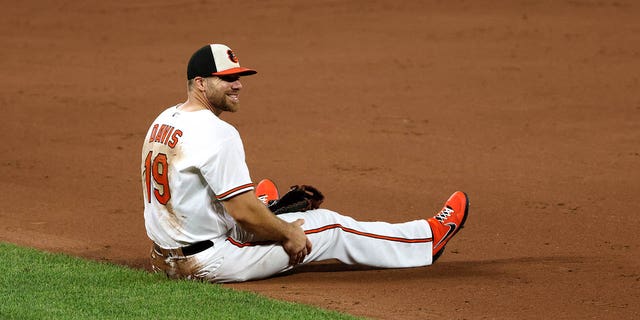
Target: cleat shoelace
444 214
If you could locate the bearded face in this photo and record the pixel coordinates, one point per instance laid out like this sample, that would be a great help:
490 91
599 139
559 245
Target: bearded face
223 92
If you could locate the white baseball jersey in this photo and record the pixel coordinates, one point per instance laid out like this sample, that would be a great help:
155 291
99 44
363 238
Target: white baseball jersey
190 162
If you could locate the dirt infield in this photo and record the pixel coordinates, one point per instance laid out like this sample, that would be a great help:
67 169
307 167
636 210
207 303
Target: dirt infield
531 107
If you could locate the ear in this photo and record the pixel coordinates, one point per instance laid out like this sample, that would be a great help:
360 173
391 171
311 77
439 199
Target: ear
200 83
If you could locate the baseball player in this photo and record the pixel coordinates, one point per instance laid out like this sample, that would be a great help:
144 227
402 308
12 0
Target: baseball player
207 223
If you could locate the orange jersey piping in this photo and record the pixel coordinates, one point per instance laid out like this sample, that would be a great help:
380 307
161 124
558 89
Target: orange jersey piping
226 194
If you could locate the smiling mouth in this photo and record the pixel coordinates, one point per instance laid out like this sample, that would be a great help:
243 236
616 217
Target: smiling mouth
234 97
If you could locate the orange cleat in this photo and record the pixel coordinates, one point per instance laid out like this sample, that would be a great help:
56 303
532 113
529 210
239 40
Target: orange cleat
267 191
448 221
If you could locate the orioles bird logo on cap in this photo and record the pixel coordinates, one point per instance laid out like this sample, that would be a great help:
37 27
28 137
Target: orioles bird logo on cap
232 56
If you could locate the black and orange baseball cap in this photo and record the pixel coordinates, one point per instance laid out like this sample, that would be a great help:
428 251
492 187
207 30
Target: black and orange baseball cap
215 60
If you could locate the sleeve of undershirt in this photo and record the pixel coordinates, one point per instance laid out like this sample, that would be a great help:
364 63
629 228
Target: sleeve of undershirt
226 171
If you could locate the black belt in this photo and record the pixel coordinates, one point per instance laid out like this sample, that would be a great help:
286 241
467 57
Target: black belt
197 247
186 250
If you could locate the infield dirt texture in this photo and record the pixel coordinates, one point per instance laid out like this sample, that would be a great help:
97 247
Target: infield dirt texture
531 107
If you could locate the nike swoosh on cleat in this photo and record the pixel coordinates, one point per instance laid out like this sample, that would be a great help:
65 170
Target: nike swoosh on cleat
452 228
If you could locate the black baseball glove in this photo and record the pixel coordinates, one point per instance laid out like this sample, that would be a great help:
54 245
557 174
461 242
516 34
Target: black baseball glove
297 199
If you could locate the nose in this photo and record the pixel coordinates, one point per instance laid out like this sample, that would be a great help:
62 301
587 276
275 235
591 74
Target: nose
236 85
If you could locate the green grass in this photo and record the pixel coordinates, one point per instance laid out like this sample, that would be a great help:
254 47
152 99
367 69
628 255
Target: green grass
40 285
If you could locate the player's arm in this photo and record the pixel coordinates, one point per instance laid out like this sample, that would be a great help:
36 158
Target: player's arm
253 216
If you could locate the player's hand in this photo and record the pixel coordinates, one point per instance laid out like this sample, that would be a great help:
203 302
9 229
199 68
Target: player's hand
297 244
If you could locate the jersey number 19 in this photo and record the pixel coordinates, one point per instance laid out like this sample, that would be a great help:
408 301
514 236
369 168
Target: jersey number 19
158 169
